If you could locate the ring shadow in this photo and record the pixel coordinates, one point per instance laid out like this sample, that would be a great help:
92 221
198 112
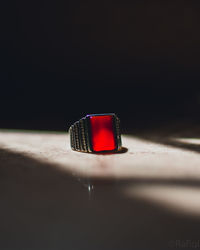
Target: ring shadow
121 151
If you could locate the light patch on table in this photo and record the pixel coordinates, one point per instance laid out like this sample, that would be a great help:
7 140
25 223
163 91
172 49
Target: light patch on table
195 141
171 197
144 159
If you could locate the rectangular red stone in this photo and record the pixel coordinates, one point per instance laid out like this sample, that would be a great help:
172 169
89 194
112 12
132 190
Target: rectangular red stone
102 133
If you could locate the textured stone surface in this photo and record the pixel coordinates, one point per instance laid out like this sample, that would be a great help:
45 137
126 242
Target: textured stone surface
55 198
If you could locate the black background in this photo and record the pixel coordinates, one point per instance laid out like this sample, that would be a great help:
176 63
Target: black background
63 59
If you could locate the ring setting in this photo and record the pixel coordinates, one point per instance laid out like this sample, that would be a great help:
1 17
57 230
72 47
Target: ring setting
96 133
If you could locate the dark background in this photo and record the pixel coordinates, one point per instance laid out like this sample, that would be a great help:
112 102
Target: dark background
63 59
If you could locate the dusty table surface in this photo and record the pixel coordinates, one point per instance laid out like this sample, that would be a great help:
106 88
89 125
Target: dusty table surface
146 197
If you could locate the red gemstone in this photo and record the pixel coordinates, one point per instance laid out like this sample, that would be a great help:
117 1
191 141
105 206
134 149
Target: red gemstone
102 133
